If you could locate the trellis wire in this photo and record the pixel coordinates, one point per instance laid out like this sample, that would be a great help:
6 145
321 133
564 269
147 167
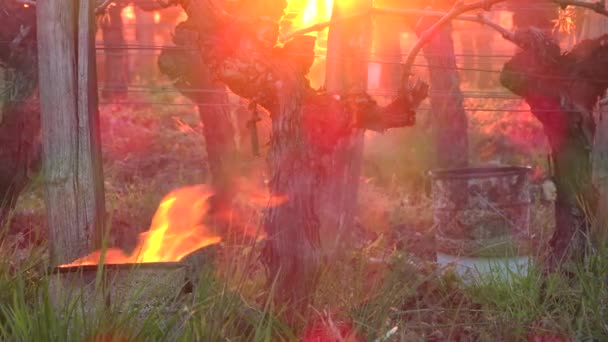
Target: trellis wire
394 62
192 104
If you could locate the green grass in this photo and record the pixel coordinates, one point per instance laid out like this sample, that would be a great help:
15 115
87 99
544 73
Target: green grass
573 305
413 301
377 290
30 311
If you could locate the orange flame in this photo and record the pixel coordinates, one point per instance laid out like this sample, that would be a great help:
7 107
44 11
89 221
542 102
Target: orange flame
309 12
305 13
316 11
176 231
128 14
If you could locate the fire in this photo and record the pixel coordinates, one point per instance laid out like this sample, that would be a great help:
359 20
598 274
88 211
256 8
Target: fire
316 11
309 12
156 17
305 13
128 14
177 230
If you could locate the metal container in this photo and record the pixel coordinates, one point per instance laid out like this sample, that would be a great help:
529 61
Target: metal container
139 288
482 214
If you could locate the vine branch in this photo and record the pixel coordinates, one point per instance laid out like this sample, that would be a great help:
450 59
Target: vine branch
101 8
390 11
598 6
458 9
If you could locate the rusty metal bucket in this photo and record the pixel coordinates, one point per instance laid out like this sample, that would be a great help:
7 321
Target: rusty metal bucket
143 287
481 214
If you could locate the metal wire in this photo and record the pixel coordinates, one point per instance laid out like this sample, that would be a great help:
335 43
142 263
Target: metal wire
471 95
431 66
503 54
192 104
376 58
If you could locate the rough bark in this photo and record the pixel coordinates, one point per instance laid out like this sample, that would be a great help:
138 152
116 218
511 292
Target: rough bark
450 120
116 66
562 90
70 145
194 80
346 73
594 25
242 52
219 141
89 162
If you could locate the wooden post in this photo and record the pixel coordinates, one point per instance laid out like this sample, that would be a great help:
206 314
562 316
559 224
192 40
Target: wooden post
348 45
449 118
144 34
593 26
600 173
116 67
386 40
71 151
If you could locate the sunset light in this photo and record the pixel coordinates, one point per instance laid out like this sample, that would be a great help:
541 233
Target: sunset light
303 170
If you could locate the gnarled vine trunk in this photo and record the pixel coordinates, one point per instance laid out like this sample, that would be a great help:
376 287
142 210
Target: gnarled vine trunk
241 54
193 78
594 25
450 122
116 66
240 48
219 142
291 252
562 90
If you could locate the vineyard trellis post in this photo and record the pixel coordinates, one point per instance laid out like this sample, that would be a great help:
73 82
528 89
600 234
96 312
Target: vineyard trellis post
348 45
594 25
447 103
116 66
71 143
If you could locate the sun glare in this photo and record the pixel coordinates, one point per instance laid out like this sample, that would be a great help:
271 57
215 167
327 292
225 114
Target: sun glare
128 14
310 12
